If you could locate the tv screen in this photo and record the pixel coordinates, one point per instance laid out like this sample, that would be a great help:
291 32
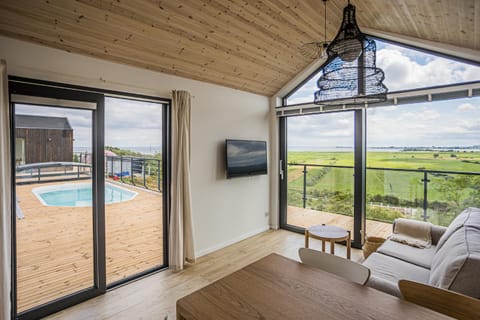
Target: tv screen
246 157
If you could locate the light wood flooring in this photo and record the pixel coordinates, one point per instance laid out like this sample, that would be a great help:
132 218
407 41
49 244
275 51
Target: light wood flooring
55 247
307 217
154 297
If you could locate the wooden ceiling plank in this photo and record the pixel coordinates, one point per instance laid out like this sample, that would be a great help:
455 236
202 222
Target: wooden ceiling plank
244 34
132 62
182 26
97 49
476 25
465 17
267 20
104 29
186 46
219 16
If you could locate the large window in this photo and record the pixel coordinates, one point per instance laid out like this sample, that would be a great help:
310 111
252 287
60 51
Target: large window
411 159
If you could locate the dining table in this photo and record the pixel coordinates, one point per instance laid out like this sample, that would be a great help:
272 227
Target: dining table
276 287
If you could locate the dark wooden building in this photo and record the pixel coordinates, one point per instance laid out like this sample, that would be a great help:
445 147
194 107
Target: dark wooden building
42 139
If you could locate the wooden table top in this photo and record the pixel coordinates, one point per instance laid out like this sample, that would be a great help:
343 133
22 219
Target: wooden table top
276 287
328 232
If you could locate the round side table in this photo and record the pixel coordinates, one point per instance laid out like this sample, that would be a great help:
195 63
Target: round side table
328 233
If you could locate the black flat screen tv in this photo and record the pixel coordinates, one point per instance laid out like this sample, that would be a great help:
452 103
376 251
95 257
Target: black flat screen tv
245 158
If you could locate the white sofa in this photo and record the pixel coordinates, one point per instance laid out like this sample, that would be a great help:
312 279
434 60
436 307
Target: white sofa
452 262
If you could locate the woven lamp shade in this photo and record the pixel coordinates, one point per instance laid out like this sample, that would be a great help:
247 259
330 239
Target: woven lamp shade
351 77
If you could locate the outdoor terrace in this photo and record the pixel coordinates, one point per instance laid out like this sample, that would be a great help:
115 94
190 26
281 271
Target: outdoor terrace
55 246
305 218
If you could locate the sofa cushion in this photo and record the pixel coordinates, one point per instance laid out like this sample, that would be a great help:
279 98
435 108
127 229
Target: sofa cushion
386 271
456 264
437 233
420 256
469 216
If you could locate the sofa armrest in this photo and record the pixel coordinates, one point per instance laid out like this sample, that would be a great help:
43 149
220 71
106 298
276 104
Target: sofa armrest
437 233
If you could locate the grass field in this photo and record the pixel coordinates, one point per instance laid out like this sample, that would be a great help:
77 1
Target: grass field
433 160
393 188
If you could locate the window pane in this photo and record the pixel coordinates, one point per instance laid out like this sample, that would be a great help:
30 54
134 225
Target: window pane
423 161
133 202
319 190
54 231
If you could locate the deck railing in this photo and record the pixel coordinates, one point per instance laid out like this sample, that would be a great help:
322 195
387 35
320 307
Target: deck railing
137 171
403 190
52 171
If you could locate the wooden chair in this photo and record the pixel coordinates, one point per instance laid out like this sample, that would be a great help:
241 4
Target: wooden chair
447 302
342 267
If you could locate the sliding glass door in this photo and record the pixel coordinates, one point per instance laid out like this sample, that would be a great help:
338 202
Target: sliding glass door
319 174
91 192
323 174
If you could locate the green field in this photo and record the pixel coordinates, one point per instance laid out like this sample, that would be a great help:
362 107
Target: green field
331 189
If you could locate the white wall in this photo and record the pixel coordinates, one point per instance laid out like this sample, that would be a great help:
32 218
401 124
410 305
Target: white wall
225 211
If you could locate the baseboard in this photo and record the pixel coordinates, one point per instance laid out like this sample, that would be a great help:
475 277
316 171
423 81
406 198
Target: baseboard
219 246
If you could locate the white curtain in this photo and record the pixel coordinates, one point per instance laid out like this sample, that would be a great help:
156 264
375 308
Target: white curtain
5 197
181 247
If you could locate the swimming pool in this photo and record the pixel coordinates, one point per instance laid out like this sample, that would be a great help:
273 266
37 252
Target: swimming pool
79 194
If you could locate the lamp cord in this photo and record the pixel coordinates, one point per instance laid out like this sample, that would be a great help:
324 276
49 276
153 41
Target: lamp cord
325 4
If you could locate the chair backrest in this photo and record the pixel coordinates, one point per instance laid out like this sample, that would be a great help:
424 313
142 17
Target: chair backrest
447 302
342 267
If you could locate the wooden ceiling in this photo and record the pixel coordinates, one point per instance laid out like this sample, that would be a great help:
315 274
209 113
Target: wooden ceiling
243 44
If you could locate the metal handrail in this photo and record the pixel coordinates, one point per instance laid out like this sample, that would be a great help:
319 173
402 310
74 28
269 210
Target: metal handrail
387 169
44 165
40 165
131 159
425 179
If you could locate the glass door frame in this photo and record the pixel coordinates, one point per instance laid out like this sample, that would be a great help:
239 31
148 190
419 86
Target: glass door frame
67 92
359 205
98 220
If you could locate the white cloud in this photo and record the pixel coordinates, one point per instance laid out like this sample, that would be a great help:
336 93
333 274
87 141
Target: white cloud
128 123
466 107
404 70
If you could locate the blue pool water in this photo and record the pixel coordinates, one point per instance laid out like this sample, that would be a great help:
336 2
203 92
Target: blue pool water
79 194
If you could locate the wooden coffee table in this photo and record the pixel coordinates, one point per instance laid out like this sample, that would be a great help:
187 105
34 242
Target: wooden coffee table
328 233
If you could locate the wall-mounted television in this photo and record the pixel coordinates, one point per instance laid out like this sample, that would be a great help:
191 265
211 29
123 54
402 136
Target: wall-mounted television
245 157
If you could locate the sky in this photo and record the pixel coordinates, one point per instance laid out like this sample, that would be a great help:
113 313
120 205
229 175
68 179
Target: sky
447 123
128 123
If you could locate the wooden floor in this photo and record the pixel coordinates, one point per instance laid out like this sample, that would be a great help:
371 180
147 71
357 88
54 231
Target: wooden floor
306 217
154 297
55 247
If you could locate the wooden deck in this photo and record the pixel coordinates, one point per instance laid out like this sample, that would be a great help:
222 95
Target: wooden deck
306 217
55 246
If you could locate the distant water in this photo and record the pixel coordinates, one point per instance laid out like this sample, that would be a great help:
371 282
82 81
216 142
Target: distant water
151 150
378 149
338 149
